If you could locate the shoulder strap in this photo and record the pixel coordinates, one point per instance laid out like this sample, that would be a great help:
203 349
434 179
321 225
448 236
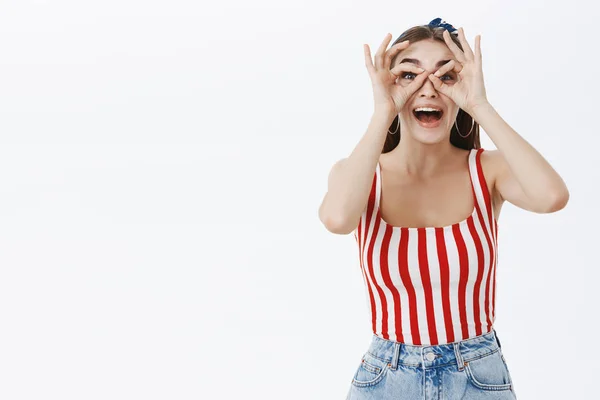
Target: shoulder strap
480 187
366 219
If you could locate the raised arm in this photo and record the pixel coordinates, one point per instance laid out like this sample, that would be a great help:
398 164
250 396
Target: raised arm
523 176
350 179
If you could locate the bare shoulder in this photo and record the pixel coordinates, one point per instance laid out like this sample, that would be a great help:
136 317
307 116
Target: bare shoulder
489 162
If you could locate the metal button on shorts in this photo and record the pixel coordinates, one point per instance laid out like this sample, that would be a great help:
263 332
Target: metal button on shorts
430 356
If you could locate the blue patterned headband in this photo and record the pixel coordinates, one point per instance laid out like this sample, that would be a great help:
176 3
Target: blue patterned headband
435 23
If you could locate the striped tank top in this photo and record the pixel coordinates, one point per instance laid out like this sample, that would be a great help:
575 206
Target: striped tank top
431 285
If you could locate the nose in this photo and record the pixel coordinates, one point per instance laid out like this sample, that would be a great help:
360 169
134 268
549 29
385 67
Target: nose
427 89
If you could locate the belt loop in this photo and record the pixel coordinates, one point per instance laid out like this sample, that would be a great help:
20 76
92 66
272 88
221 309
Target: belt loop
497 339
459 359
396 356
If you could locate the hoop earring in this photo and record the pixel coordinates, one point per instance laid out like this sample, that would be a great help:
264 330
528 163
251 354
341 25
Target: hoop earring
396 130
472 125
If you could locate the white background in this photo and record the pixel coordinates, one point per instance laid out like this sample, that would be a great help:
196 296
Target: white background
161 168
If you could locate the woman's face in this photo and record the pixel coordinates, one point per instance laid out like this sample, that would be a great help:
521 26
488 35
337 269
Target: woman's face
430 55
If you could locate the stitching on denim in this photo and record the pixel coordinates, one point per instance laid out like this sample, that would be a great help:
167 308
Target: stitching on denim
396 356
480 356
370 367
379 358
408 364
454 362
459 361
373 381
504 386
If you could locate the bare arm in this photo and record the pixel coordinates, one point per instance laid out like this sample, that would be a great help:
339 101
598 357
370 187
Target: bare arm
350 179
524 177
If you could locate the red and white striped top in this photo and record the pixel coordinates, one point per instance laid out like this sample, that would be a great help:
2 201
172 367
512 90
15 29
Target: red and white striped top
432 285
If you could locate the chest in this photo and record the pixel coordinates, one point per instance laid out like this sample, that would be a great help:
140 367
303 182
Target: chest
444 201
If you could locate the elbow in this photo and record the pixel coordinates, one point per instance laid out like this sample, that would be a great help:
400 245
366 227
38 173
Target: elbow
559 201
335 222
337 227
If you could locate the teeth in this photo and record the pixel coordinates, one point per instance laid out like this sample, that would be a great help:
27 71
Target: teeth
426 109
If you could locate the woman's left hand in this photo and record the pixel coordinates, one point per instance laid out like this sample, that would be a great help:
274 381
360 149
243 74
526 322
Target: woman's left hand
469 91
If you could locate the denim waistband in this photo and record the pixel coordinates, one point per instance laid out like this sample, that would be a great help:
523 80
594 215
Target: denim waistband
430 356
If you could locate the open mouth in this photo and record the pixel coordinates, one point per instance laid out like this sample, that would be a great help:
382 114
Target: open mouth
427 115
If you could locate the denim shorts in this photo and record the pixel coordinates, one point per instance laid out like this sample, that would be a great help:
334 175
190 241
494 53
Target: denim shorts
469 369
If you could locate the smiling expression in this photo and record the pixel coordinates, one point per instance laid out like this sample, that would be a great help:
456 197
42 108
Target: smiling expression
430 55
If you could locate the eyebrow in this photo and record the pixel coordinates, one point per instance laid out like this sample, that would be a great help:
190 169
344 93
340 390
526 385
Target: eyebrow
418 63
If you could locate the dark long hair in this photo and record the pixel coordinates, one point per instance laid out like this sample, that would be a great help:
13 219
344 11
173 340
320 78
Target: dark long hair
464 121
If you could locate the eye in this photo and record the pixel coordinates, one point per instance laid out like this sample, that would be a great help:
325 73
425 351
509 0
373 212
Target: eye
450 77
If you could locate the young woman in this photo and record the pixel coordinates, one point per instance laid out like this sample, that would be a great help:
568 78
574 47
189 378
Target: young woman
430 280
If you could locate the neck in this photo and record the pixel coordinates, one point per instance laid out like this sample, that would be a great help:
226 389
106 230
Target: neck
421 160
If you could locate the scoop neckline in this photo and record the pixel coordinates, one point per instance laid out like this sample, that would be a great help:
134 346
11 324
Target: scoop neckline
431 228
427 228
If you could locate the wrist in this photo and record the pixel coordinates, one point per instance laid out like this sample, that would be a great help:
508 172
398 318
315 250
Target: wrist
479 109
384 114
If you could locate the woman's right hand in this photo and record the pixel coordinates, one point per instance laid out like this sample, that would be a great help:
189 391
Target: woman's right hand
389 94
